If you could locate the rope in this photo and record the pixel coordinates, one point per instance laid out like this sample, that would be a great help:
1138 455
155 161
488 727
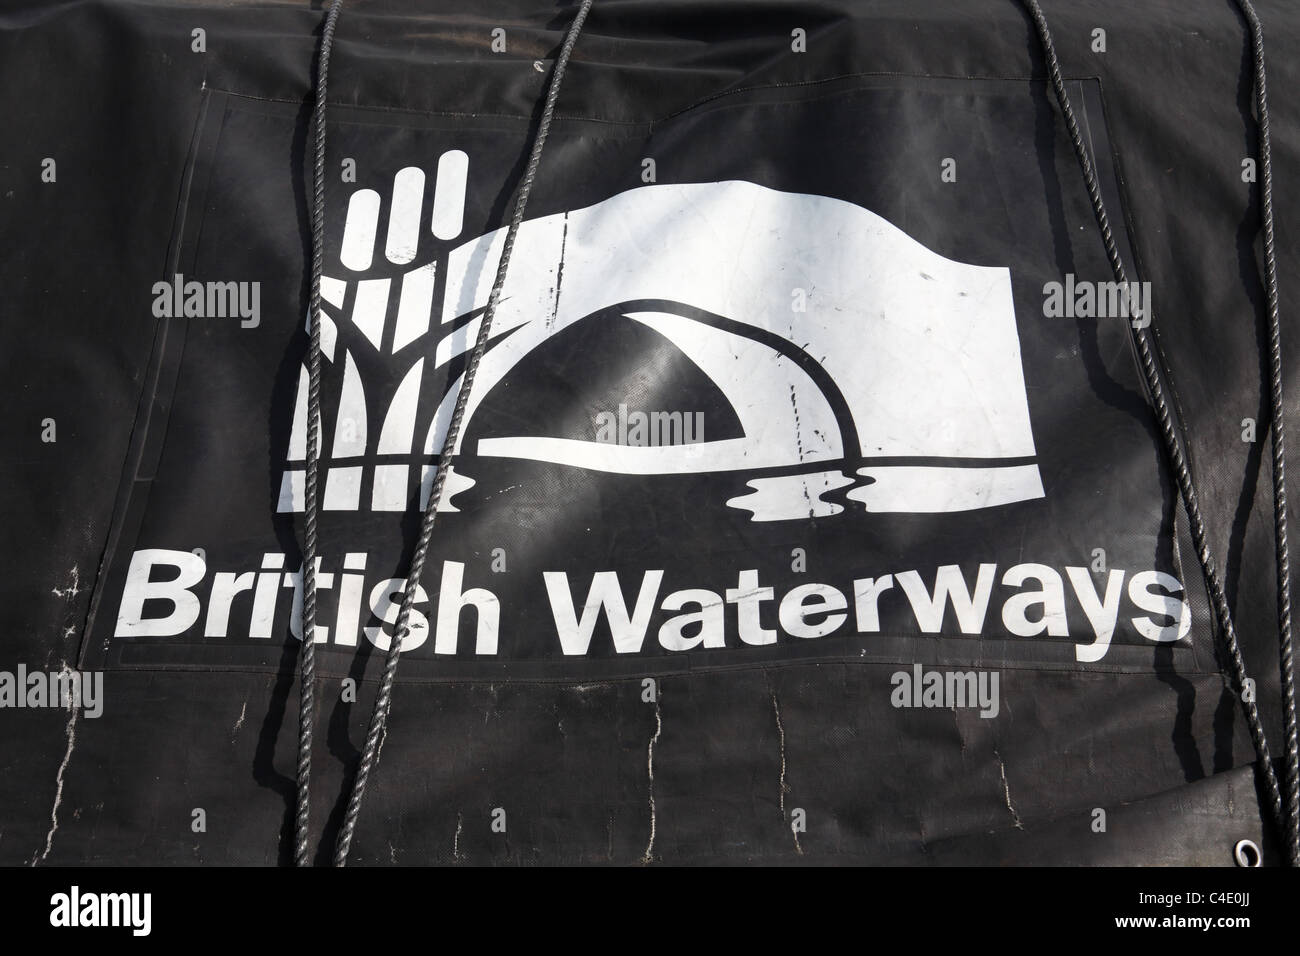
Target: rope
1287 662
383 701
1173 448
307 680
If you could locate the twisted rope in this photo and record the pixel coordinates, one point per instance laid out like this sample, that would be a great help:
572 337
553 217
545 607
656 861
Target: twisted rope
307 670
1173 448
383 701
1282 550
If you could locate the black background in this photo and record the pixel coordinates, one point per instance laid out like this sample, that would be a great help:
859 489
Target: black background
114 92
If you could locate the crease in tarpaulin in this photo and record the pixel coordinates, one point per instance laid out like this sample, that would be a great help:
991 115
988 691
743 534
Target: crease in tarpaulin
383 700
1285 811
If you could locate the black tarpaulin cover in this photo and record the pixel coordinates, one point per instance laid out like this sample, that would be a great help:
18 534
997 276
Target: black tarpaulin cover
809 504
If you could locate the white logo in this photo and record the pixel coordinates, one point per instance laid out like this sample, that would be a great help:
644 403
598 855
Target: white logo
854 358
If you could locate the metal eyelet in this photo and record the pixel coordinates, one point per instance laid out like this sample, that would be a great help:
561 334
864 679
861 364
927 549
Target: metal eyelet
1247 854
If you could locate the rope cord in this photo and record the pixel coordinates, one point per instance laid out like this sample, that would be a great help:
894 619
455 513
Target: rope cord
307 660
1281 548
1173 448
383 701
